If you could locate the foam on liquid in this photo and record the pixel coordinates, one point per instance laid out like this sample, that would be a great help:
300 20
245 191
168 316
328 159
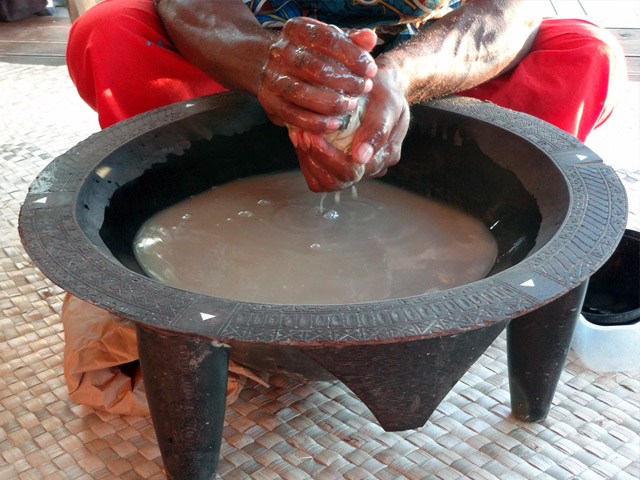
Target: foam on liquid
267 239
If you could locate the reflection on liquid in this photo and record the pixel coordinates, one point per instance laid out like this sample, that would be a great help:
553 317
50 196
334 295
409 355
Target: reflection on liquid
268 239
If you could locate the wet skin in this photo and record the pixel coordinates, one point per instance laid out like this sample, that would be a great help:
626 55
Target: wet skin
313 75
309 74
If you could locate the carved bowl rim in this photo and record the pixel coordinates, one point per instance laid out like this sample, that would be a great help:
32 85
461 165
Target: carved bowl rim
57 244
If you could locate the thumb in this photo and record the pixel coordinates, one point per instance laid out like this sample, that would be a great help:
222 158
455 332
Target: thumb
365 38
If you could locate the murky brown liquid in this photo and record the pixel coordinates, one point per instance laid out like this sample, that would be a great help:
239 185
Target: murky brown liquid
264 239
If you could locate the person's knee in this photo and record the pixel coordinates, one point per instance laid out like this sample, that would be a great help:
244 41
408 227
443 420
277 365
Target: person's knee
581 40
594 65
607 61
606 50
109 39
112 22
595 51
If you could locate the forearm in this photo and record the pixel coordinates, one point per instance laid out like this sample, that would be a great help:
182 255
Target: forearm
472 44
222 38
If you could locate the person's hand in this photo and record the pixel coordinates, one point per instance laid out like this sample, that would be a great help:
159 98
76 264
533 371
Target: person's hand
325 168
376 145
378 142
314 74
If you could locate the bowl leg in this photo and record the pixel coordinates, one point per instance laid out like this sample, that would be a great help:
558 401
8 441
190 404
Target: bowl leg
537 347
402 383
185 378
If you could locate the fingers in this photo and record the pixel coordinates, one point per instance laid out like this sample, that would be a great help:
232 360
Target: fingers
376 133
294 89
389 154
305 82
366 38
375 130
327 169
313 184
318 99
376 145
332 43
281 111
335 162
303 62
385 122
324 167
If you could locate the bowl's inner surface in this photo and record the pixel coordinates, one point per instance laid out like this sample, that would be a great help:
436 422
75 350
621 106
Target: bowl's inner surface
441 160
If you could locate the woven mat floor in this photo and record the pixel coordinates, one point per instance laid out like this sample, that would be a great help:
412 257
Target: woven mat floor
290 430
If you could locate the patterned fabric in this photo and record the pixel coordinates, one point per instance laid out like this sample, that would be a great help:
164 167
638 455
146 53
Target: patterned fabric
393 20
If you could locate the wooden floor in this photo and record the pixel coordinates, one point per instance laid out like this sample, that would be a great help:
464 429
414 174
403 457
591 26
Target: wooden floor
36 40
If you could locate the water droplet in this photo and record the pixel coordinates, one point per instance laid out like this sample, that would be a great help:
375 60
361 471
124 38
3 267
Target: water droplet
245 213
264 202
315 246
186 216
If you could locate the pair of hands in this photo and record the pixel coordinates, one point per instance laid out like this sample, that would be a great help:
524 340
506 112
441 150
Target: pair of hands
312 78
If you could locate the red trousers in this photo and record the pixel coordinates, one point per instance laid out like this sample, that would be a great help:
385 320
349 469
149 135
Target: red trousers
123 63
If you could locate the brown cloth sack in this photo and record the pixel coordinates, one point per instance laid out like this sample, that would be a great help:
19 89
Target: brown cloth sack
101 365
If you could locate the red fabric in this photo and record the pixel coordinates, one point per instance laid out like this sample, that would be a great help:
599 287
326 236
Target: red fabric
571 78
122 62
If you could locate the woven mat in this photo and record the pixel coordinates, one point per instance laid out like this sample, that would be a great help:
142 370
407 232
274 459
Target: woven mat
290 430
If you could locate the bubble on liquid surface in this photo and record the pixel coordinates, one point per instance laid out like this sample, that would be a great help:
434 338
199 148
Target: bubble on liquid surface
331 215
245 213
315 246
